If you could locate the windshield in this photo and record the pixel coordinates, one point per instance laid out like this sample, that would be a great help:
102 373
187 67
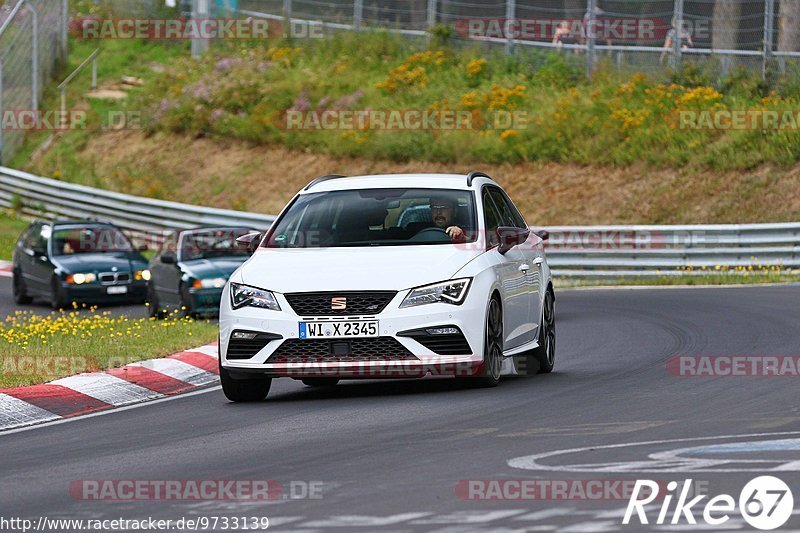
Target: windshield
376 217
88 240
213 243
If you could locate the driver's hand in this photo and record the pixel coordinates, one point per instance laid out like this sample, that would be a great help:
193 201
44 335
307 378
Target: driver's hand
455 233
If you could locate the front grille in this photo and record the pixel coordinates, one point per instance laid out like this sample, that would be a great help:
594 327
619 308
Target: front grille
114 277
322 303
247 348
344 350
451 344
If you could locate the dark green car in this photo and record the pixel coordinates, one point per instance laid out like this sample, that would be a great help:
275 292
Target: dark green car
78 261
191 268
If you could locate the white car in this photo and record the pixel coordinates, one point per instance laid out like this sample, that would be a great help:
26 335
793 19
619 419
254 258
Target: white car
389 276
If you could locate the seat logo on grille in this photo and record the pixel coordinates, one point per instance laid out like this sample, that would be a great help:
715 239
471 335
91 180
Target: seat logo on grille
338 303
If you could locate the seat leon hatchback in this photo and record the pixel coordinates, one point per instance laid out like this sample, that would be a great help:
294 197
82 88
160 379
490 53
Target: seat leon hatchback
389 276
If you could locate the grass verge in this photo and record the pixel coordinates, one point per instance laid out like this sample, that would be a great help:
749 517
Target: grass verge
36 349
686 279
10 229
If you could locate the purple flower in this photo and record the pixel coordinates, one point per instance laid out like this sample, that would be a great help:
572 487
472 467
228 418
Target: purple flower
348 101
323 102
224 64
301 103
217 114
198 90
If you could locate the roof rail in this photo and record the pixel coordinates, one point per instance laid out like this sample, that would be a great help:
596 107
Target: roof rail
323 178
476 174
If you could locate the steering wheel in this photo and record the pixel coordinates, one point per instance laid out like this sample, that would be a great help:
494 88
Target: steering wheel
431 234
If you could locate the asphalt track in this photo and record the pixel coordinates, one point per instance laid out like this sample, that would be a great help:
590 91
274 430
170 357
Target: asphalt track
40 307
389 455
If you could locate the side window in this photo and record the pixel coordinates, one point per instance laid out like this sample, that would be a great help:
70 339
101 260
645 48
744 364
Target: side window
38 237
519 221
25 238
506 215
491 220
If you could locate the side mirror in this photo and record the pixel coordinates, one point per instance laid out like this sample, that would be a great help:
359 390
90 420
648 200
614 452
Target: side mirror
39 252
250 241
510 237
142 248
169 258
543 234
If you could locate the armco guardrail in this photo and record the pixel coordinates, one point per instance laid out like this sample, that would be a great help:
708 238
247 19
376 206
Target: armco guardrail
573 251
45 197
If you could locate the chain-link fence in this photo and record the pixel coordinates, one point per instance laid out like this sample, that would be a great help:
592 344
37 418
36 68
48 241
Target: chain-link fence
640 34
33 42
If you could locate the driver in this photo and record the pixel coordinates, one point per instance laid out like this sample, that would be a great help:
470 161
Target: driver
443 210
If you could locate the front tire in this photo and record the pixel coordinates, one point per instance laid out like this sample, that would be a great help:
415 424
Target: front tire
545 355
244 390
57 300
20 292
493 345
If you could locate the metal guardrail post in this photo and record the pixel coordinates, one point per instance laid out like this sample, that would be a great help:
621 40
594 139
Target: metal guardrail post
677 27
511 13
358 13
769 25
287 10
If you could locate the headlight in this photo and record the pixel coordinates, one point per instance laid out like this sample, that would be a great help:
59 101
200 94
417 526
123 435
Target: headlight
80 279
212 283
242 295
142 275
446 292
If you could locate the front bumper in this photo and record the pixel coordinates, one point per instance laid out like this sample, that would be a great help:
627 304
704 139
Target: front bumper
97 293
394 323
205 300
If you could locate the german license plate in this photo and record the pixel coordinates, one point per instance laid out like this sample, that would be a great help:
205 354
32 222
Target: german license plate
117 290
342 329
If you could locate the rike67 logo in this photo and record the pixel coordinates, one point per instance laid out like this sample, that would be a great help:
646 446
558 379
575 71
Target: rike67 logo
766 503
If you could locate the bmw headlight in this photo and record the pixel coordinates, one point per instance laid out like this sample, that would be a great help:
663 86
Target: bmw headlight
446 292
80 278
243 295
140 275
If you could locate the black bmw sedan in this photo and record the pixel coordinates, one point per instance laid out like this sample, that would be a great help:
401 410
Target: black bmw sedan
78 261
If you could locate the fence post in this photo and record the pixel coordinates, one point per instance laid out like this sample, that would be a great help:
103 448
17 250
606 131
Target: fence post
358 13
2 137
287 11
511 13
431 16
35 58
200 10
769 25
590 24
65 30
677 27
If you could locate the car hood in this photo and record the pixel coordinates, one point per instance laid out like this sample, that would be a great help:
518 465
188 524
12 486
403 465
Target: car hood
102 262
341 269
217 267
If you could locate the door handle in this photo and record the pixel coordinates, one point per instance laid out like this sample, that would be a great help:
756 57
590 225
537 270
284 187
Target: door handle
524 267
538 261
